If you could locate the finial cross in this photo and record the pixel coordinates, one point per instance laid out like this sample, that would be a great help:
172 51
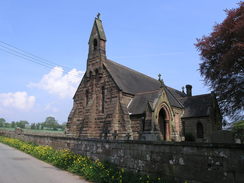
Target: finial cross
159 77
183 89
160 80
98 15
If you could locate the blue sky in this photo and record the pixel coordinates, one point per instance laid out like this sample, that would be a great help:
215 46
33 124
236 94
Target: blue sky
149 36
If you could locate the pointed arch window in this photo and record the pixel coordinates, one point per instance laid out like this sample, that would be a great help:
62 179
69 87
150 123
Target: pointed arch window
97 73
103 99
200 132
183 128
90 74
143 123
111 95
94 44
87 97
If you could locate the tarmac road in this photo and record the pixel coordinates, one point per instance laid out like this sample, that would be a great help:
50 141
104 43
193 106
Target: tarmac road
18 167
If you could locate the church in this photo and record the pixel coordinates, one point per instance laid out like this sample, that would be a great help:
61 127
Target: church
115 102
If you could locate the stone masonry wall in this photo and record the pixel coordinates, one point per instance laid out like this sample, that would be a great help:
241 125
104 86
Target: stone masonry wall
192 162
88 120
191 127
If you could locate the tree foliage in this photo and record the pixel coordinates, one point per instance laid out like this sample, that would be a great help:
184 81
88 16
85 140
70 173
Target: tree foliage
51 123
21 123
33 126
222 53
2 122
13 124
238 129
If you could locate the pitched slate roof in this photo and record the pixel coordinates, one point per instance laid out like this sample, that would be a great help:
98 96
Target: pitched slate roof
133 82
172 96
197 106
139 103
147 89
141 100
176 93
130 81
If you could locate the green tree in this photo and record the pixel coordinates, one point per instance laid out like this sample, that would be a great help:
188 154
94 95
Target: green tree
51 123
13 124
33 126
22 123
238 129
7 125
222 53
63 125
2 122
38 126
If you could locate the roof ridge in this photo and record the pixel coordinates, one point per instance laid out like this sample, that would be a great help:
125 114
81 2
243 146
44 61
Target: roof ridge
144 75
175 89
147 92
196 96
140 74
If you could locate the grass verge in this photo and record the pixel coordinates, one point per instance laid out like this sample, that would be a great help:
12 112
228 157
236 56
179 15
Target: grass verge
96 171
34 130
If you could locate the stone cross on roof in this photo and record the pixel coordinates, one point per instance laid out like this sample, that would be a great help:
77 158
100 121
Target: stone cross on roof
160 80
98 15
183 89
159 77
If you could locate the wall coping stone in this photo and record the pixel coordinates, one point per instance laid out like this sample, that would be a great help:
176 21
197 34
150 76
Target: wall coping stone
153 143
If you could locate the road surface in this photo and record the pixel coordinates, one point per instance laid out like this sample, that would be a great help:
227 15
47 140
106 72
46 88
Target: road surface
18 167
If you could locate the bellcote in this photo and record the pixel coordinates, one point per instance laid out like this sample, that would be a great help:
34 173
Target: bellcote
97 40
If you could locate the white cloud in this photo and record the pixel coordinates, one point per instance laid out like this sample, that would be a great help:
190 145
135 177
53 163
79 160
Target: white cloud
51 108
18 100
58 83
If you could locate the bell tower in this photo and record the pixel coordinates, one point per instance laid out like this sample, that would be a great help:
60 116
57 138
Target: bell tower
97 46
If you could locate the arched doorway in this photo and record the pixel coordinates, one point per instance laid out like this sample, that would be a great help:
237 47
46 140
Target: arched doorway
163 121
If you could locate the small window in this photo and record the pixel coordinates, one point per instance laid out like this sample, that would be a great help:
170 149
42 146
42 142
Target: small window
103 99
95 44
90 74
87 97
96 73
183 128
199 130
111 95
143 123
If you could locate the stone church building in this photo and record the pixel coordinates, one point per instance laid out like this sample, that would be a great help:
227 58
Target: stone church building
116 102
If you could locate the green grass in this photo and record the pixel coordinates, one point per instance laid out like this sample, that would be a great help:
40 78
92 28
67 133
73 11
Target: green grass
9 129
44 131
33 130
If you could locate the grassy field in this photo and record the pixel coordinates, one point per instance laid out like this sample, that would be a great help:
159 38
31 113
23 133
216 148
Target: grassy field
32 130
10 129
44 131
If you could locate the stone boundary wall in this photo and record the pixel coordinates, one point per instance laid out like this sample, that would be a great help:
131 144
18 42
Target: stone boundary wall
181 161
